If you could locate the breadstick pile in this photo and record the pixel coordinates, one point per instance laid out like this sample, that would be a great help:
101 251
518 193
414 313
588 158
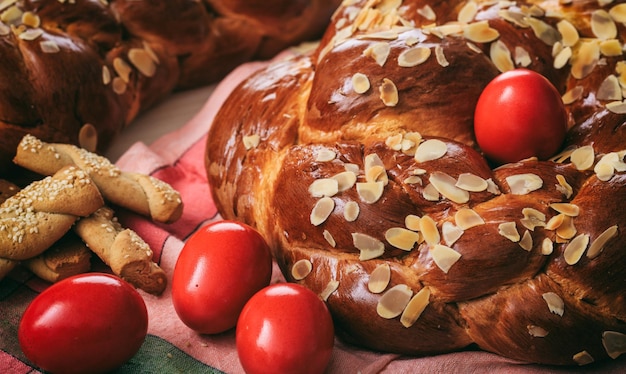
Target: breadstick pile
53 225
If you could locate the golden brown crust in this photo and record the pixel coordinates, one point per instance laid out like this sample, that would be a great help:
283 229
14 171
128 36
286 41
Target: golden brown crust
525 260
70 64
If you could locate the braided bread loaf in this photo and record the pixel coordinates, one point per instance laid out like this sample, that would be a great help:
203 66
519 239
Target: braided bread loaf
79 71
379 199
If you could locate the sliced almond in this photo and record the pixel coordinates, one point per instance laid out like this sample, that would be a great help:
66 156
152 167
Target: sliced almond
611 48
446 186
501 56
471 182
415 307
370 247
555 222
609 89
251 141
428 228
122 69
572 95
533 218
412 222
402 238
388 93
583 157
521 56
142 61
322 210
345 180
49 46
467 218
329 238
562 58
527 241
567 229
575 249
324 187
392 303
509 231
430 193
444 257
351 211
467 12
330 288
325 155
543 31
379 51
586 59
568 209
522 184
569 33
370 192
536 331
441 57
547 247
414 56
555 303
618 13
451 233
301 269
431 149
614 343
598 244
480 32
375 169
564 187
360 83
602 25
583 358
379 279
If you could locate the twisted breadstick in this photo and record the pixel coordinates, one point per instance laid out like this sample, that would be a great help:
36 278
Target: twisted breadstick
122 250
7 189
67 257
40 214
140 193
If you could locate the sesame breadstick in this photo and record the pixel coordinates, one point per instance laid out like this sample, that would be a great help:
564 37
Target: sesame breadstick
125 252
140 193
7 189
67 257
40 214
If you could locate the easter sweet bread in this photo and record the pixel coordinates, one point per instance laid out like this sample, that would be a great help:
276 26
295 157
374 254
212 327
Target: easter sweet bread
359 165
78 72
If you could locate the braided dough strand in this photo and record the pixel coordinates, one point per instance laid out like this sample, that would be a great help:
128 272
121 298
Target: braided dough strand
140 193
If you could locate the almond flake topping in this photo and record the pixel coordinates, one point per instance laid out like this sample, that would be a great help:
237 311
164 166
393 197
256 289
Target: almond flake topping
618 13
568 209
379 279
441 57
501 56
536 331
142 61
573 95
527 241
522 57
329 238
430 193
446 186
522 184
106 75
427 12
575 249
375 169
402 238
412 222
583 358
451 233
608 165
324 187
322 210
480 32
509 231
602 25
467 12
544 31
388 93
360 83
569 33
370 192
413 56
331 287
614 343
610 89
428 228
598 244
325 155
31 34
547 247
251 141
471 182
564 187
415 307
444 257
345 180
562 58
49 46
392 303
585 60
431 149
555 303
533 218
582 158
370 247
122 69
467 218
379 51
351 211
566 230
611 47
301 269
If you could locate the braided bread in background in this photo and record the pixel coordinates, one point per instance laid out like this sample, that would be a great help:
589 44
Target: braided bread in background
79 71
359 165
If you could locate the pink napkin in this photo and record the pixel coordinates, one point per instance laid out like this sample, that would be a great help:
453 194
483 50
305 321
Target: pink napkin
178 158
